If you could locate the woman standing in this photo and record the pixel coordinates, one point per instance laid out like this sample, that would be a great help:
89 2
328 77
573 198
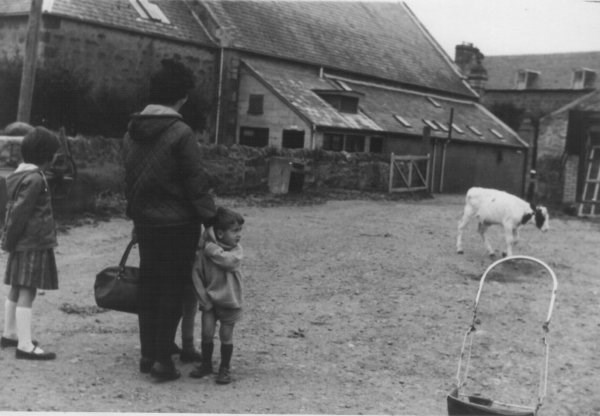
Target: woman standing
168 199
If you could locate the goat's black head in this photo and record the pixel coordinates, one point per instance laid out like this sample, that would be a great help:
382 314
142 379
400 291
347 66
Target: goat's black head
541 217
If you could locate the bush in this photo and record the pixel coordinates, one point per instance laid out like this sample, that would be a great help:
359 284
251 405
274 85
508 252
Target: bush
67 98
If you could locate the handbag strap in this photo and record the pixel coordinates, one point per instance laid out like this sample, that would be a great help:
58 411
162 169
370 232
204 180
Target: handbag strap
126 253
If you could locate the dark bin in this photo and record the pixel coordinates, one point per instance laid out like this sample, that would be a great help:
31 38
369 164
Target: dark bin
296 177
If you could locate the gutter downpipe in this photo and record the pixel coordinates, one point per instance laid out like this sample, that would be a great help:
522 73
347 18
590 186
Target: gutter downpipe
443 168
219 94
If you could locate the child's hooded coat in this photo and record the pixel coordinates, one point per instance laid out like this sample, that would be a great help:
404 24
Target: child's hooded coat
217 273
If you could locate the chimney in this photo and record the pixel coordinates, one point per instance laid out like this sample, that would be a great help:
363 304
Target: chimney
469 59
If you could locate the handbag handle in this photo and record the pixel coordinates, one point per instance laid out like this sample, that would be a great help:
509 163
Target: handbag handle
126 254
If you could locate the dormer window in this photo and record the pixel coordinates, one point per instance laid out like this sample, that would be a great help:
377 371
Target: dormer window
342 101
583 78
527 79
149 11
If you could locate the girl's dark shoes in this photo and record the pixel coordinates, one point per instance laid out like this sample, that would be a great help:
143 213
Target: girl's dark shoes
8 342
35 354
164 372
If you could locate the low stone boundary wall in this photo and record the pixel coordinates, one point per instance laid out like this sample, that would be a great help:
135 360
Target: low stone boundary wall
234 169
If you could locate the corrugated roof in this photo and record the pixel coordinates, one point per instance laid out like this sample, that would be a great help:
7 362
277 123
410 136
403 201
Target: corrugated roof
379 106
556 69
380 39
121 14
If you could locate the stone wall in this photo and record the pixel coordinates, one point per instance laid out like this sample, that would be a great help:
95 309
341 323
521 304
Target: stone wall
235 169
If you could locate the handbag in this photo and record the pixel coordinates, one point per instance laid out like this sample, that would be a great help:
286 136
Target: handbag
116 287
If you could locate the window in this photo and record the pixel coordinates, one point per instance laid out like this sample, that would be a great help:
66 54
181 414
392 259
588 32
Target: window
584 78
293 139
376 145
345 101
333 142
343 85
343 104
431 124
475 130
434 102
441 125
497 133
527 79
255 104
458 129
354 143
149 11
254 136
402 121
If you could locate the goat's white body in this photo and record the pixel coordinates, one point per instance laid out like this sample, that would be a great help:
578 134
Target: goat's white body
494 207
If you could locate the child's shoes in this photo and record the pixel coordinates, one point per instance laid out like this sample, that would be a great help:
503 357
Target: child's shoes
223 377
202 370
190 356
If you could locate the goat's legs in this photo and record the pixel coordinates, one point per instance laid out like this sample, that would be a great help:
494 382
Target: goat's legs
461 226
511 236
481 229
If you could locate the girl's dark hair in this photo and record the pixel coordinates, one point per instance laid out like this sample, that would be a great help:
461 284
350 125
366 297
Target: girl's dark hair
172 82
226 218
39 146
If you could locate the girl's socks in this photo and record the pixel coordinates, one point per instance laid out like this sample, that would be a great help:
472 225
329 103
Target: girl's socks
10 325
23 321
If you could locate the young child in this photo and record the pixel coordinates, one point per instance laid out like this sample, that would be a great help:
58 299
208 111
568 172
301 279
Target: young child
29 237
217 278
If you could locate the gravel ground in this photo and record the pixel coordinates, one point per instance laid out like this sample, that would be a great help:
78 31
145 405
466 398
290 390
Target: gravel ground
353 306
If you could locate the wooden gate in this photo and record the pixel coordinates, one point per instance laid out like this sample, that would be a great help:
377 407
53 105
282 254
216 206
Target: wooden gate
412 173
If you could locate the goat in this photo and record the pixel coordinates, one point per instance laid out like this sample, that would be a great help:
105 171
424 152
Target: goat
490 207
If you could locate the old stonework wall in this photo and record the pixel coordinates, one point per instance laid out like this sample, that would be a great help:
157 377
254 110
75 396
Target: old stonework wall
235 169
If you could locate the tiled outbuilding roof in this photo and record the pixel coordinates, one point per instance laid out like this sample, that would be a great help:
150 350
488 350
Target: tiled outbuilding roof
556 69
377 39
379 106
121 14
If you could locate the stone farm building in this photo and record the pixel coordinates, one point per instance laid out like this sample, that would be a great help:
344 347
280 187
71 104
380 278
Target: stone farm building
341 76
558 98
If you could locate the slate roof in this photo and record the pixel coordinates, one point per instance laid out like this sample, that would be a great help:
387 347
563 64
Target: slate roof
377 39
556 69
120 14
295 85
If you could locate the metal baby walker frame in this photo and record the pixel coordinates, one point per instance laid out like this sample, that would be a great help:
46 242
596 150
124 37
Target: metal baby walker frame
460 404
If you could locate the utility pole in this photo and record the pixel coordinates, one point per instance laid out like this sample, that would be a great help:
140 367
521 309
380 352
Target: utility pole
29 62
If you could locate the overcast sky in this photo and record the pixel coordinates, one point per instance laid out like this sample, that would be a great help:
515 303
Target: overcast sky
512 27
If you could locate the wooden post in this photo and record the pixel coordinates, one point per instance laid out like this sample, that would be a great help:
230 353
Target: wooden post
390 184
443 168
29 62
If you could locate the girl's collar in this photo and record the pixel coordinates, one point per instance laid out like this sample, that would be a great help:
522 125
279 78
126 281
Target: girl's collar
25 167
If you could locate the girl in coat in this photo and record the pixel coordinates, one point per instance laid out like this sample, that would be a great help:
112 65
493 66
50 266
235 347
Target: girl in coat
29 237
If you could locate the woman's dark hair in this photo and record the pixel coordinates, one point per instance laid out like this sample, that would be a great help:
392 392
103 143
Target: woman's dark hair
226 218
39 146
172 82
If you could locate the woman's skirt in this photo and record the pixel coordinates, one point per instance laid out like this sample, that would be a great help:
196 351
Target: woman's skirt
33 268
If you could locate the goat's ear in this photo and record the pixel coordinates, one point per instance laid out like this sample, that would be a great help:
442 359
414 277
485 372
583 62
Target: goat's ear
532 205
